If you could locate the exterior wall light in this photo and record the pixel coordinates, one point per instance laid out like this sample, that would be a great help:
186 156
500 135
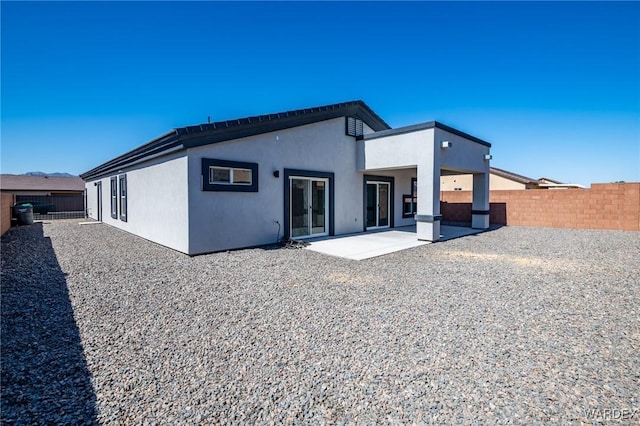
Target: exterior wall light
446 144
276 173
488 156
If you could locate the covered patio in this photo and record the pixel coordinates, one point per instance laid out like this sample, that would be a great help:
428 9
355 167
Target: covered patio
431 149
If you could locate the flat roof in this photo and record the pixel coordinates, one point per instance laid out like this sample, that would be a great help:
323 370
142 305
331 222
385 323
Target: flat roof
424 126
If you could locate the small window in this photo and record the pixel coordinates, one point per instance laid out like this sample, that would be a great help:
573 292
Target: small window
225 175
114 197
229 176
219 175
123 198
409 206
242 176
410 202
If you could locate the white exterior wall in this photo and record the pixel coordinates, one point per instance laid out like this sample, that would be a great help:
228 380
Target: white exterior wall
92 199
423 148
366 129
396 151
464 156
226 220
157 204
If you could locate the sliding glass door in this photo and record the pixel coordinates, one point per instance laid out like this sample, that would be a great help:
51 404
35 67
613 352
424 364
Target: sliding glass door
378 202
308 207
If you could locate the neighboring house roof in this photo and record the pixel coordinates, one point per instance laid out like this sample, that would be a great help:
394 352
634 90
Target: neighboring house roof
562 186
541 183
204 134
40 183
547 180
512 176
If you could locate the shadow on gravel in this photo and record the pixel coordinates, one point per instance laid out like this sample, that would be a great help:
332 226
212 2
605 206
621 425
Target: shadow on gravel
45 379
476 232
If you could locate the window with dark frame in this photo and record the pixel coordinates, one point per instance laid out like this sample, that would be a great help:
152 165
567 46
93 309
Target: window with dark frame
123 198
410 202
225 175
229 176
114 197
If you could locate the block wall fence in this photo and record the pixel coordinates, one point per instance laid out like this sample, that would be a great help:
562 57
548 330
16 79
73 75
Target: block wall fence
603 206
6 201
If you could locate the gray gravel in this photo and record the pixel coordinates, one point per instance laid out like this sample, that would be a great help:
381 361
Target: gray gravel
513 326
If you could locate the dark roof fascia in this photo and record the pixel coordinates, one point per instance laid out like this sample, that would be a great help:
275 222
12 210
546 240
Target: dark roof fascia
356 109
242 129
154 148
424 126
205 134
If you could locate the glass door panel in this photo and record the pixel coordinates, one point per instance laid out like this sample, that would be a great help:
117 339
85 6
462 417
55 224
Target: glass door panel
383 204
308 209
299 207
318 205
372 205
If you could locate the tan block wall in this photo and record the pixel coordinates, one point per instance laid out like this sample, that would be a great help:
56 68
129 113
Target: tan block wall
6 201
604 206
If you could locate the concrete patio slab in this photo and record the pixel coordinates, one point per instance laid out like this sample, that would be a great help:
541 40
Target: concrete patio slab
380 242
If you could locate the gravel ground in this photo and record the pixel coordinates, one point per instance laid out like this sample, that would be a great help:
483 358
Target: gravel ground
513 326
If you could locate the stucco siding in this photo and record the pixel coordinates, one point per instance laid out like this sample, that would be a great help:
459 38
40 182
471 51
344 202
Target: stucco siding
226 220
157 204
397 151
463 155
92 199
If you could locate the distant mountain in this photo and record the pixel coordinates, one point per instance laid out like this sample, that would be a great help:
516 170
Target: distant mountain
57 174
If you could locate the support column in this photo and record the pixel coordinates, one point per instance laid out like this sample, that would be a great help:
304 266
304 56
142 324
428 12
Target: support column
480 205
428 215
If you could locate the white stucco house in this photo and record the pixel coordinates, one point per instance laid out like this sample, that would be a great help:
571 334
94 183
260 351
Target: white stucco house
329 170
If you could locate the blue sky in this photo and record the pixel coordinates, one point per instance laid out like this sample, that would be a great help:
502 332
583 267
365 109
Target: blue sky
555 87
